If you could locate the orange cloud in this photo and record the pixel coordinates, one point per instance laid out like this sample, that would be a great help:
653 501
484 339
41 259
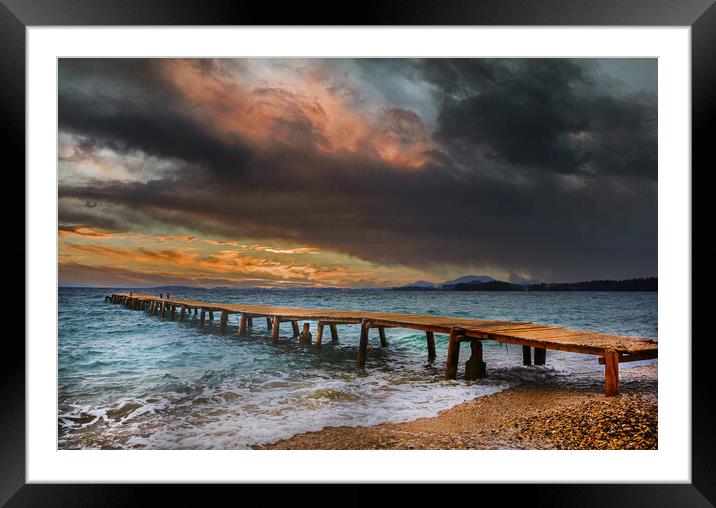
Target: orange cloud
228 105
86 232
298 250
195 260
226 263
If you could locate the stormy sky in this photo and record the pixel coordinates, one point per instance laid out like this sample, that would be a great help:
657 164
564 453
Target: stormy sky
358 172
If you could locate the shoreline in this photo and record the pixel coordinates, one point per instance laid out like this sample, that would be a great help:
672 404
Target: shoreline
529 416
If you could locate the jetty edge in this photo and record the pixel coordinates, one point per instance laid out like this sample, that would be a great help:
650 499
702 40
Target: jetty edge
611 350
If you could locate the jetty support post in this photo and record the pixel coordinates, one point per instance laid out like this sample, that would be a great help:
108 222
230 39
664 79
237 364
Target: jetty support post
381 334
540 355
307 340
611 373
224 319
174 312
334 332
242 325
182 313
211 315
453 353
294 324
526 355
319 333
202 317
275 329
363 344
430 337
268 323
475 367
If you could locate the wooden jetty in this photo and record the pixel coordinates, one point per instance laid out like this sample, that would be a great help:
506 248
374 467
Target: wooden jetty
610 349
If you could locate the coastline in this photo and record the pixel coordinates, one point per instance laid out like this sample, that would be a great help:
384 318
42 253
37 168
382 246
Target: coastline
529 416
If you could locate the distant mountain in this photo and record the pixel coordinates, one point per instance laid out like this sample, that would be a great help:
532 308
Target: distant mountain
418 285
641 284
493 285
467 279
516 279
422 283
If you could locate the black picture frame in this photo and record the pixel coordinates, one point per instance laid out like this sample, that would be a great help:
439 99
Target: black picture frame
700 15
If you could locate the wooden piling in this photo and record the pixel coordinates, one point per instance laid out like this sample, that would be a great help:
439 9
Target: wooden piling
611 373
307 340
211 315
526 355
453 353
242 325
268 323
610 349
475 367
275 329
319 333
381 334
430 337
182 313
294 324
224 320
202 317
363 344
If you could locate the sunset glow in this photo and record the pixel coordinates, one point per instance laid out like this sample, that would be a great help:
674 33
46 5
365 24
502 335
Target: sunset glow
354 173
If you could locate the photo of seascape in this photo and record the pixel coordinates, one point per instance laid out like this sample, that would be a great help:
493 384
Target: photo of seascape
357 254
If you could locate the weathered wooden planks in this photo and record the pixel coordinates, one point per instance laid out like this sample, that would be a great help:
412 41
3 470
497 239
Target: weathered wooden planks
525 333
611 349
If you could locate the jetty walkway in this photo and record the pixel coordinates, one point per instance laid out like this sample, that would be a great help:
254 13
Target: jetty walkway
610 349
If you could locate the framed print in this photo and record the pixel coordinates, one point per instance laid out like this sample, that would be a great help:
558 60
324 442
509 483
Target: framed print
264 252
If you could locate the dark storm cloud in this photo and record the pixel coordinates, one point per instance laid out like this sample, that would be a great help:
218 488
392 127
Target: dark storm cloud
553 115
149 121
539 168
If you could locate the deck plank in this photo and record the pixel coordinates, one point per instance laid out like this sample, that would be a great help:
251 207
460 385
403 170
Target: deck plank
515 332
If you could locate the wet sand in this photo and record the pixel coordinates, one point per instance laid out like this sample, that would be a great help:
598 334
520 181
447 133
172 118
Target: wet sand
530 416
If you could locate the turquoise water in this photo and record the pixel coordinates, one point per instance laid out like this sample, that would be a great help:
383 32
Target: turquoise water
128 379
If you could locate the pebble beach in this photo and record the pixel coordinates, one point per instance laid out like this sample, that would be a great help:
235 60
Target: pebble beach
544 416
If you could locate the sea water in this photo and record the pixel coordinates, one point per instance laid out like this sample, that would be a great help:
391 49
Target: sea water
128 379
